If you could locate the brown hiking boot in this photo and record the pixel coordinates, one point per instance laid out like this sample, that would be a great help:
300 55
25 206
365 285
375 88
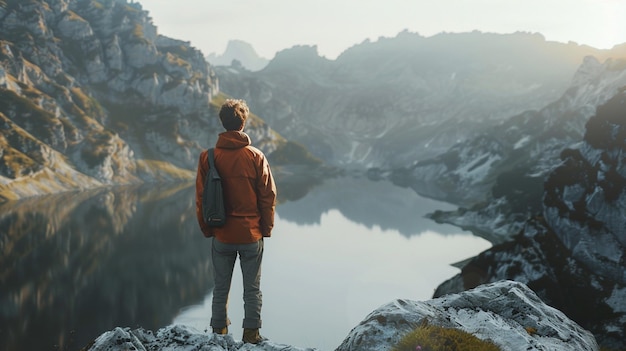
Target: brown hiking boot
221 331
252 336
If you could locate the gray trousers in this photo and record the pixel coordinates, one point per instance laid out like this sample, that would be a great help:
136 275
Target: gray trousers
250 258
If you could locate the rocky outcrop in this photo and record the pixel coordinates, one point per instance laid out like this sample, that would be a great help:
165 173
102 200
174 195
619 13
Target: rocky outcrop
506 313
178 337
573 254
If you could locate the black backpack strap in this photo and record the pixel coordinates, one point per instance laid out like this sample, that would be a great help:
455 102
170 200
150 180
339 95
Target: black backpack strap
211 157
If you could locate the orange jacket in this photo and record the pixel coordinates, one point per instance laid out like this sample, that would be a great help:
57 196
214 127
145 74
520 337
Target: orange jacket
249 190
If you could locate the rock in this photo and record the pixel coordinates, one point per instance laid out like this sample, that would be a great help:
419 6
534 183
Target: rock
501 312
507 313
178 338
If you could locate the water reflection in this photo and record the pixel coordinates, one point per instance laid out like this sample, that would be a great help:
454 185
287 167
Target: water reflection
371 203
75 265
350 246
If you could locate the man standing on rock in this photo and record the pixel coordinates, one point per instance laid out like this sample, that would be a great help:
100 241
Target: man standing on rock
250 200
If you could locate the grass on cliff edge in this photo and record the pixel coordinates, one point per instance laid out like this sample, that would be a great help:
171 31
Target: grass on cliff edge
432 338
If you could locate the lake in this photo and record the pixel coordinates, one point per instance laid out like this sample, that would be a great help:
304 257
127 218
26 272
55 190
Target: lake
77 264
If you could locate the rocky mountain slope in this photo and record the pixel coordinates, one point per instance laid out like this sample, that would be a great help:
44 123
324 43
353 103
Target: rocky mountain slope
91 94
499 173
365 107
573 254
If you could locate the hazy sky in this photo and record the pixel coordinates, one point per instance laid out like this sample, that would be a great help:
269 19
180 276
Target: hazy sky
335 25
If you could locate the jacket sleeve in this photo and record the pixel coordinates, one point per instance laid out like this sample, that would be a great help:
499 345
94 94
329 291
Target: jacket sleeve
266 197
203 170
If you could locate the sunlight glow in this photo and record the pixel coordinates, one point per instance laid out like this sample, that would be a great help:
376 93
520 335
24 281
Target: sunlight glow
334 26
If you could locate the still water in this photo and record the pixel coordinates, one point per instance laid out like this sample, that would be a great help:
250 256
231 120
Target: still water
75 265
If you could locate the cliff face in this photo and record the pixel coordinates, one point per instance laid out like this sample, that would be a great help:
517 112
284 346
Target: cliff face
84 88
573 255
585 199
499 174
92 94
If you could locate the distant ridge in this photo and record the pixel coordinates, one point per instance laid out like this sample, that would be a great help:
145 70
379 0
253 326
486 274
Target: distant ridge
428 92
242 52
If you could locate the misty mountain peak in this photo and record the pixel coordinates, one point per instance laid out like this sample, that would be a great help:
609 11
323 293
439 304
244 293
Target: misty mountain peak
241 51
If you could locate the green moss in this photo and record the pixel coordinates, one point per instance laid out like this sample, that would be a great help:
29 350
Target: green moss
433 338
291 152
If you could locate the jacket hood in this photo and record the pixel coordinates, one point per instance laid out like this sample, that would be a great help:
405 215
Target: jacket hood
233 140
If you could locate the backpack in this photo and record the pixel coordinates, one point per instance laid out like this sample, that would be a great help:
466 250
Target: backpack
213 196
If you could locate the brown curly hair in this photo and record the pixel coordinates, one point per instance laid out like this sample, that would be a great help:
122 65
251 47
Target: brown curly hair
233 114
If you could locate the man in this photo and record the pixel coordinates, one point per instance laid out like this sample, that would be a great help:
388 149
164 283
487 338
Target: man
250 199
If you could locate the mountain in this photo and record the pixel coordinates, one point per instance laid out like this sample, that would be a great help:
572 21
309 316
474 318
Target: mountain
572 253
365 107
239 53
91 94
499 173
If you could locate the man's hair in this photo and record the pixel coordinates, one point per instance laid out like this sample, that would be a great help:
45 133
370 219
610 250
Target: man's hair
233 114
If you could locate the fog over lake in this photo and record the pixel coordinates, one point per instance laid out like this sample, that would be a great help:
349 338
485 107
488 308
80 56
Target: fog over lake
75 265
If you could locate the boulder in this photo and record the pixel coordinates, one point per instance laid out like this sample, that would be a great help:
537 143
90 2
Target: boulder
506 313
